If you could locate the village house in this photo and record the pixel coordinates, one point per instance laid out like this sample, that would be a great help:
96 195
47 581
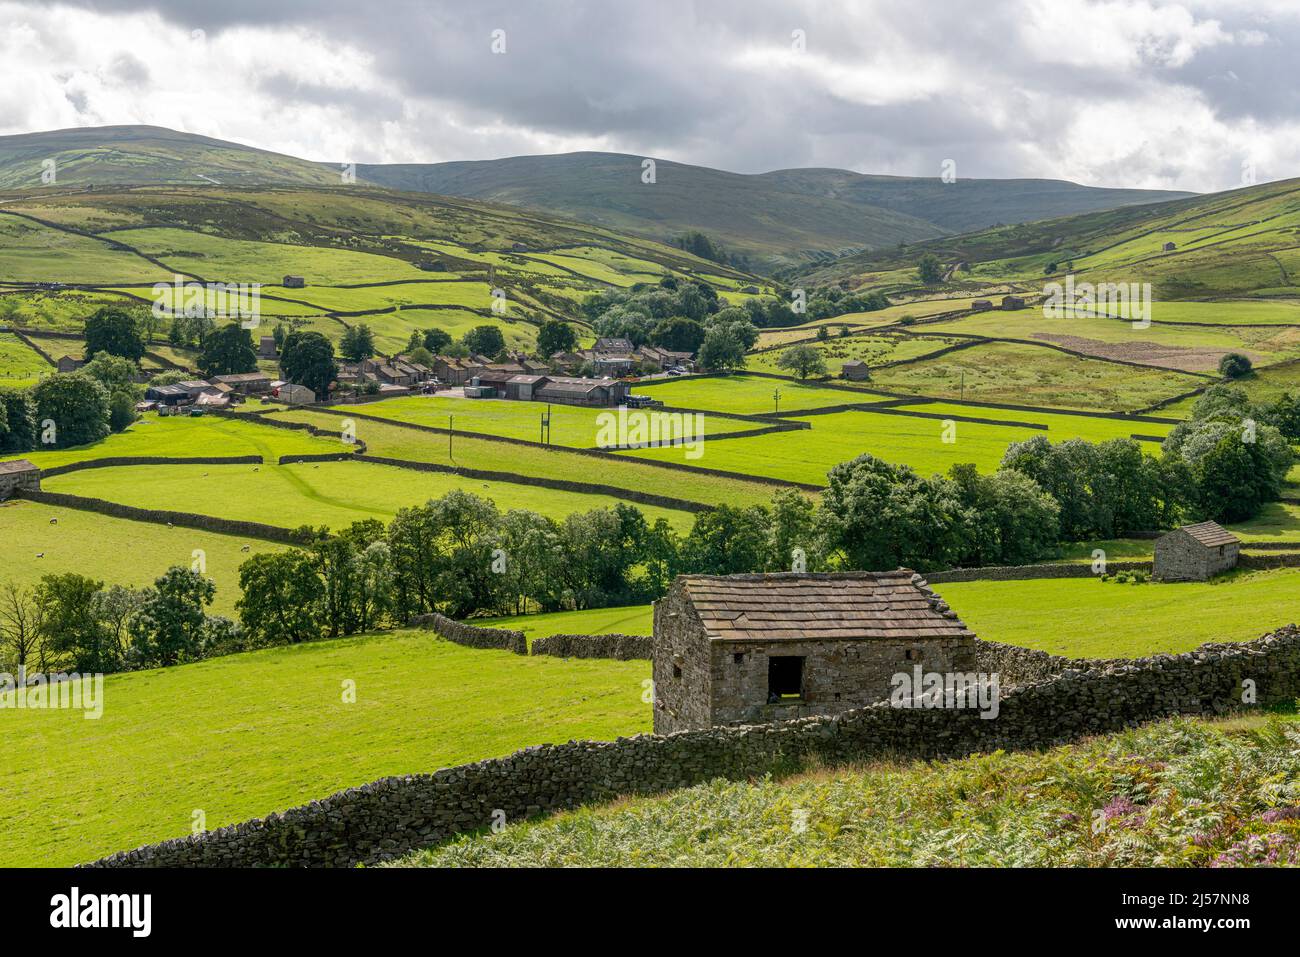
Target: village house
294 282
455 371
18 475
266 348
245 383
752 649
70 363
614 344
1195 553
855 370
663 358
1013 302
568 363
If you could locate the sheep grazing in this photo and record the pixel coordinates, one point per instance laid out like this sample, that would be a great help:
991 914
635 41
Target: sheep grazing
244 549
54 521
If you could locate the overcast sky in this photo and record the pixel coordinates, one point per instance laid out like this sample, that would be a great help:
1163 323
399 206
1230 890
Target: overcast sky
1122 93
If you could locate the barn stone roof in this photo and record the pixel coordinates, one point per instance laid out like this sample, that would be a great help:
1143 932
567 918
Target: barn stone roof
17 467
788 606
1210 534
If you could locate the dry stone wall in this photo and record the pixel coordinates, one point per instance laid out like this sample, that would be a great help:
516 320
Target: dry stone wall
617 647
395 815
1026 572
472 636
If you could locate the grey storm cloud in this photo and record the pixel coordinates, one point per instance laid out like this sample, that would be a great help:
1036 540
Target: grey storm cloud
1005 86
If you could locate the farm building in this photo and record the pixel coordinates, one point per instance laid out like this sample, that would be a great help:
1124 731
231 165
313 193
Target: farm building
296 394
1195 552
18 474
855 370
523 387
981 305
1169 247
593 392
752 649
1013 302
70 363
294 282
167 395
266 348
245 383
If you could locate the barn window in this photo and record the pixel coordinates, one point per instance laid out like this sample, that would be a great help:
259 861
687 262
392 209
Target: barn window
738 658
784 677
913 654
677 671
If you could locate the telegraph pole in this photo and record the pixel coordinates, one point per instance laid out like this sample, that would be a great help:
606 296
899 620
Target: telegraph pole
776 399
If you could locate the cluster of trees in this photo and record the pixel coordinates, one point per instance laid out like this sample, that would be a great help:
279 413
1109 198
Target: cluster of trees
1232 456
74 622
704 246
66 409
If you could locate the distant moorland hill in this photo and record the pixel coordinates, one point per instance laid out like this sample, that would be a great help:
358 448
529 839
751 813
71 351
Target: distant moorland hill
767 221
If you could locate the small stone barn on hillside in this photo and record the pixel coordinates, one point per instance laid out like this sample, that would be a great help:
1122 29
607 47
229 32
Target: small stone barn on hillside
1195 553
18 474
750 649
855 370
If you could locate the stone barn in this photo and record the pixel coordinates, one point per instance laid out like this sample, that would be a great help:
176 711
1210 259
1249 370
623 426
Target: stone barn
1195 553
855 370
18 474
751 649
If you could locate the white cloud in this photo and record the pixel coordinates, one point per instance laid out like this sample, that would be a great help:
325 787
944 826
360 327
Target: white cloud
1116 92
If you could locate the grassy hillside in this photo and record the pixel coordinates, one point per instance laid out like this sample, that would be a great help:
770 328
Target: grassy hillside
147 154
397 263
248 734
777 219
1226 244
1180 793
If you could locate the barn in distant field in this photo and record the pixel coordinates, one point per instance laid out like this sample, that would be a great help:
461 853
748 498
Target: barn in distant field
1195 553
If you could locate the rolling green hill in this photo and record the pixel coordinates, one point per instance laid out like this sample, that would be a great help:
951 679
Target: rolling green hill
108 155
1237 243
776 219
397 262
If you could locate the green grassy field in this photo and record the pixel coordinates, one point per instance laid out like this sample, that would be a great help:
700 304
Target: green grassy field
1077 618
187 436
628 620
747 395
572 426
249 734
1186 793
397 441
20 365
1088 618
808 455
872 348
116 551
334 494
1030 375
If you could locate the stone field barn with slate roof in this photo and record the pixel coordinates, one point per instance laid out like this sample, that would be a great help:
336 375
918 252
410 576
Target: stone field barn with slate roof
749 649
1195 553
